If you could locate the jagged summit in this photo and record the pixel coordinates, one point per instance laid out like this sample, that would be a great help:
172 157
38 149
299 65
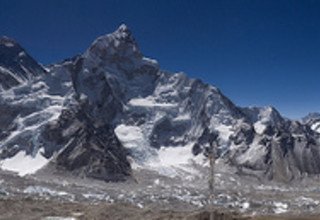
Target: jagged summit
9 46
16 65
267 113
7 42
123 28
120 42
117 50
124 31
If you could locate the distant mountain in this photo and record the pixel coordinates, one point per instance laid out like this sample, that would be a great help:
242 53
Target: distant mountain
16 65
90 114
313 120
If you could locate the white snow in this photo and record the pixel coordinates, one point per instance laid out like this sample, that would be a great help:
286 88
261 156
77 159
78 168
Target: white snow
8 44
150 102
21 54
306 201
44 191
316 127
254 153
259 127
26 70
5 70
24 164
140 205
129 136
146 60
172 156
280 207
184 117
51 113
224 131
265 113
173 160
244 206
157 182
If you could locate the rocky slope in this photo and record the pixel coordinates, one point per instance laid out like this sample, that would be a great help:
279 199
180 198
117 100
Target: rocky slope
94 113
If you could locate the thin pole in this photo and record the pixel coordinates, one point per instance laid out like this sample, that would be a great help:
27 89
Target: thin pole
211 180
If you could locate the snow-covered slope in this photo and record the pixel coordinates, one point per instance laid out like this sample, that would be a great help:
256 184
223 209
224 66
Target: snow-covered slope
316 126
92 112
26 110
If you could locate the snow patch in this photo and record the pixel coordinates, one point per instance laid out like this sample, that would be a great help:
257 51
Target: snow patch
253 154
306 201
150 102
6 71
171 161
224 131
244 206
129 136
259 127
184 117
24 164
42 191
148 61
22 54
280 207
316 127
9 44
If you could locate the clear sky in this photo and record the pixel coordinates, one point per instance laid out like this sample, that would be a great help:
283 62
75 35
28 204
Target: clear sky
258 52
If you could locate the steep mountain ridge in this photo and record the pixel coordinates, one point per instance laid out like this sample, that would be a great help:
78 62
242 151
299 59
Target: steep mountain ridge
16 65
91 113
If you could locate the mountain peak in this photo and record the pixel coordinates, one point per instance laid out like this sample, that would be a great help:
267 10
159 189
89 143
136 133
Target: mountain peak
120 43
311 117
124 33
16 64
123 28
7 42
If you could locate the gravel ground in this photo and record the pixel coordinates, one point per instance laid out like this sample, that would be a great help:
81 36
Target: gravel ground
50 195
29 209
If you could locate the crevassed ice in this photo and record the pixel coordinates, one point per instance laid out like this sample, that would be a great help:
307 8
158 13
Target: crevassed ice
173 160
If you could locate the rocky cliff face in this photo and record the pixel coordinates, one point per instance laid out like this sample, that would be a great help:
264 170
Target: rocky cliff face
89 113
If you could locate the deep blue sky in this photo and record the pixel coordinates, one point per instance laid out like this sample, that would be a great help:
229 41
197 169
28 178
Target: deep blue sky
257 52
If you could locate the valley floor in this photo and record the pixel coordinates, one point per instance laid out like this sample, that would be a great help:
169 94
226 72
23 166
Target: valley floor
51 194
29 209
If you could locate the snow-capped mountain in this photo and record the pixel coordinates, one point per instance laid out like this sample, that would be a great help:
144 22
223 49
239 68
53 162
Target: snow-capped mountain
16 65
313 120
92 114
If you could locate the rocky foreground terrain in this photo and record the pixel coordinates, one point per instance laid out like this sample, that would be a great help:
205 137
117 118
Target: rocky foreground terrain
108 134
153 196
